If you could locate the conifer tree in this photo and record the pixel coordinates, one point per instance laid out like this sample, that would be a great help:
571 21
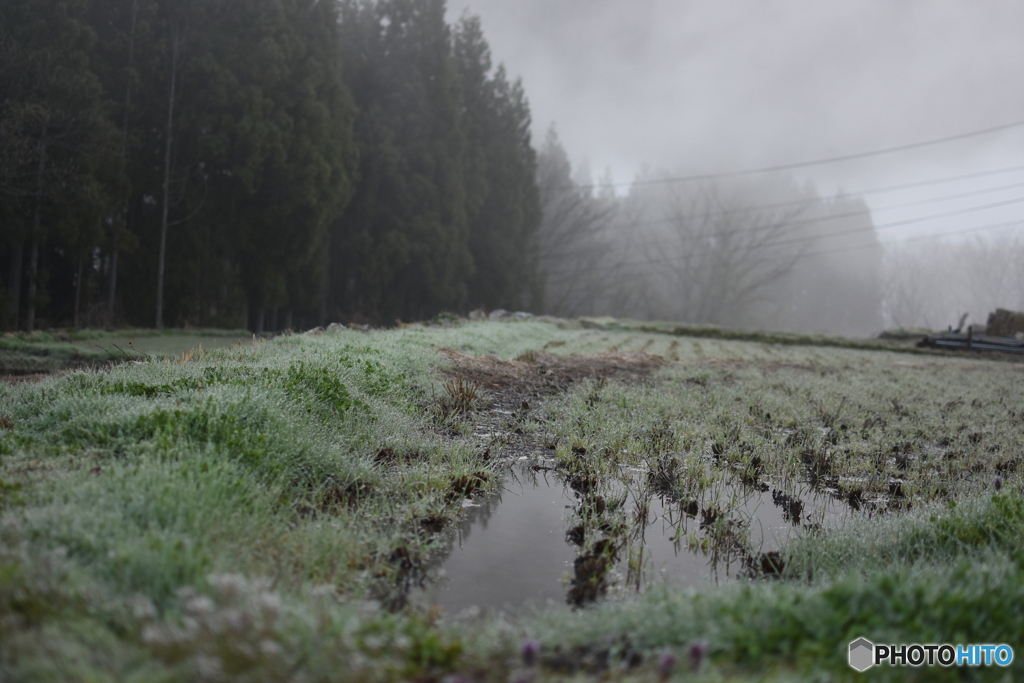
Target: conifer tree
277 146
54 120
400 249
503 204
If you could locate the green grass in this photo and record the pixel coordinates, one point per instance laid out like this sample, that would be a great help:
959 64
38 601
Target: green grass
253 512
54 350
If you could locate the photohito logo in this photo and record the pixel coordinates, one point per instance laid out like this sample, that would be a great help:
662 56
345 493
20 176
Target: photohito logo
864 654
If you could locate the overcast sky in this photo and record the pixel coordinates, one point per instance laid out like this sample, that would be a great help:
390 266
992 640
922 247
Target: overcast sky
720 85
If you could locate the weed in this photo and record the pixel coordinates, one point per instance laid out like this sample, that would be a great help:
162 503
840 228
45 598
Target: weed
318 385
461 397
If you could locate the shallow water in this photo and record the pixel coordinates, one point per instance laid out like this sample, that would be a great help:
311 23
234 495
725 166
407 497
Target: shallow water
511 550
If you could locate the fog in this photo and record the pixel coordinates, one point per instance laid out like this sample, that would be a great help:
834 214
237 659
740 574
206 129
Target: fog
693 88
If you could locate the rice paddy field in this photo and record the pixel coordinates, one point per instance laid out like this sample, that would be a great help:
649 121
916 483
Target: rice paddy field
525 500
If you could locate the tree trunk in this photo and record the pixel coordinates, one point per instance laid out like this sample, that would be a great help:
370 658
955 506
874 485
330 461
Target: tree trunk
78 293
324 293
17 257
37 223
33 271
175 47
198 302
112 291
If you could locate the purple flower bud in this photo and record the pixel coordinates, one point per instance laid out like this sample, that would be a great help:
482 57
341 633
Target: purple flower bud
998 483
698 651
530 651
666 663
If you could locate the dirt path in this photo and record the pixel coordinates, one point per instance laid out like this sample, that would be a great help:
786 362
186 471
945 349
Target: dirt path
539 375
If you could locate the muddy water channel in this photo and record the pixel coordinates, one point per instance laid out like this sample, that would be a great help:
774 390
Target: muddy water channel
567 525
544 537
613 479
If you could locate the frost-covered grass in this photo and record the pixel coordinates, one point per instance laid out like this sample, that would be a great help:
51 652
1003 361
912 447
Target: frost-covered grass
302 461
53 350
254 513
871 428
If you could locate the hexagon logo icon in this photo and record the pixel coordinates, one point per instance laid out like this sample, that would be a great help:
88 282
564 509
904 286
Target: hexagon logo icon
862 654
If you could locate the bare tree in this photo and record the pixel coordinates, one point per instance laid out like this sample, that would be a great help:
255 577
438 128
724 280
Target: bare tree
932 284
575 242
763 252
712 259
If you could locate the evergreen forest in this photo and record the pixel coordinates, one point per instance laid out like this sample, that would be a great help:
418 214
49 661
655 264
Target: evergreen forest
258 163
281 164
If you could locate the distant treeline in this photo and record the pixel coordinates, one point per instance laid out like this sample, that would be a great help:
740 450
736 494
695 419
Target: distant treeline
258 163
747 252
933 284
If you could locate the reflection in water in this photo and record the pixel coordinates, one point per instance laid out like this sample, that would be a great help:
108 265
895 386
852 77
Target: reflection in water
543 539
508 551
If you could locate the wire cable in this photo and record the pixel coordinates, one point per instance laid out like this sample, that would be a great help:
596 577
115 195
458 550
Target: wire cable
821 200
817 162
877 190
821 219
668 260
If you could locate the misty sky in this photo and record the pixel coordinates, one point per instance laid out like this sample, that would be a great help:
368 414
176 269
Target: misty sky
709 86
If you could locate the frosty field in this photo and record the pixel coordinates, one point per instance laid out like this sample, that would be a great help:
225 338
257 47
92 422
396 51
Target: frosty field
682 504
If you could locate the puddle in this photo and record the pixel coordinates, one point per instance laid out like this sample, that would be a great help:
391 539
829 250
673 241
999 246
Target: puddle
509 551
581 528
540 539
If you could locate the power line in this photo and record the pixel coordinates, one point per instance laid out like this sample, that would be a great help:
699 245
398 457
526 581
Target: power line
825 252
839 250
920 238
861 212
851 194
813 162
876 190
896 224
937 181
830 217
811 238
